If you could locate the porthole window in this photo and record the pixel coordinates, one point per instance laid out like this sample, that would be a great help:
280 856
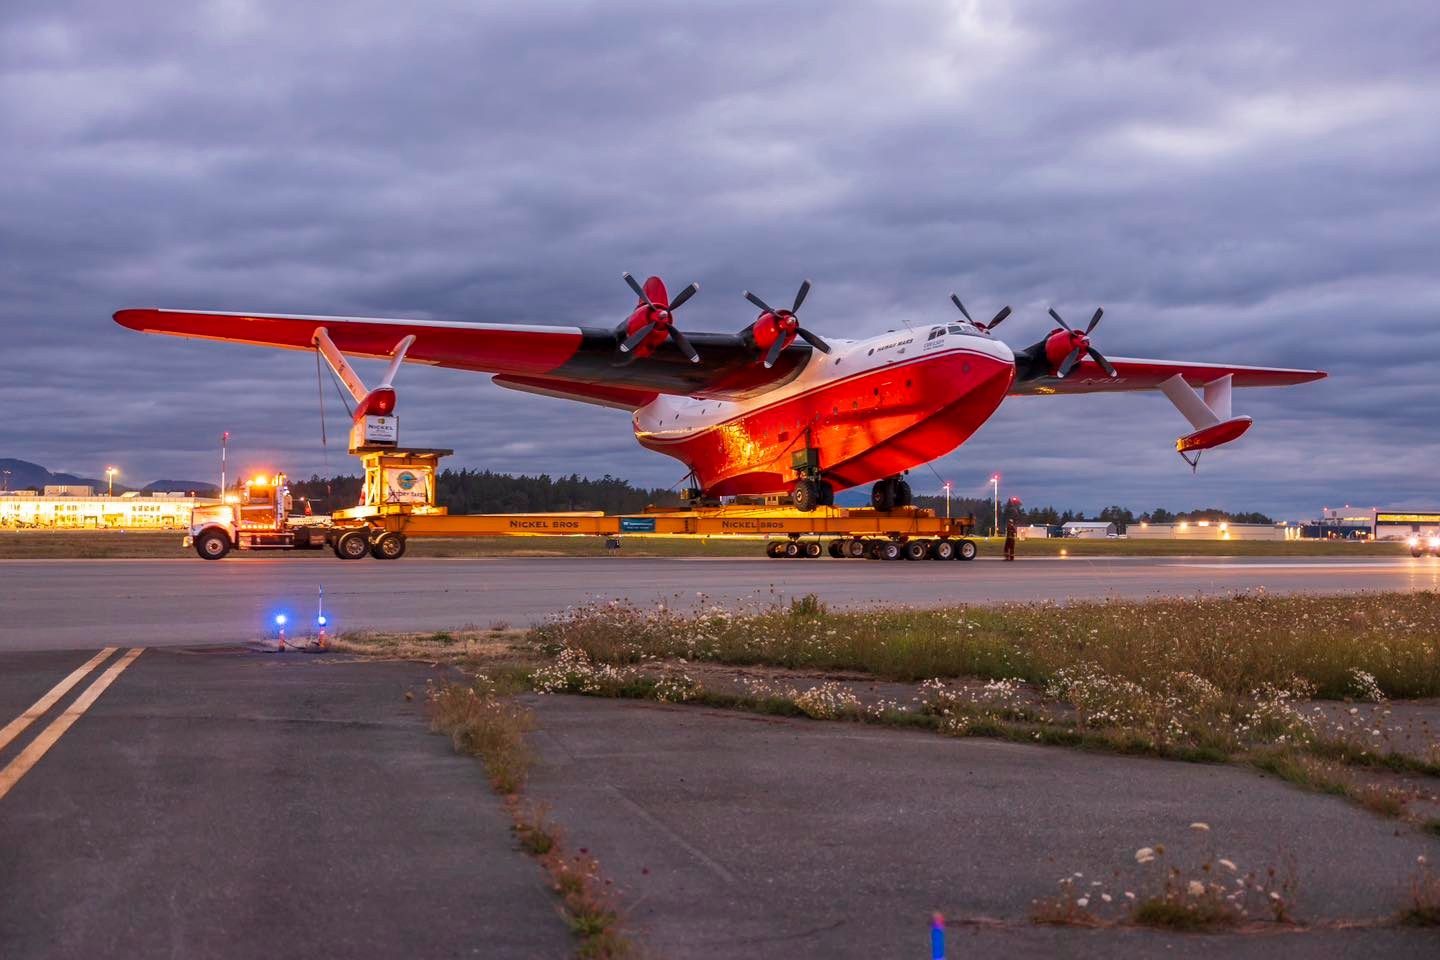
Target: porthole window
871 353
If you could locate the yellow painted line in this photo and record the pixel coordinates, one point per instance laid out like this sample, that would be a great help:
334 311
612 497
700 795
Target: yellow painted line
37 710
37 748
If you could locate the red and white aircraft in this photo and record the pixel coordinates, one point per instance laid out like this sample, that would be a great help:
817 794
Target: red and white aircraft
773 408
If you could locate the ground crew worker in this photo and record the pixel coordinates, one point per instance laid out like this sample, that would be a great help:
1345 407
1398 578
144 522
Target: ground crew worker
1010 538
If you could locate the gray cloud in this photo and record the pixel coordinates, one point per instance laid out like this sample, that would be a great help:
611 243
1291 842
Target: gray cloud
1243 182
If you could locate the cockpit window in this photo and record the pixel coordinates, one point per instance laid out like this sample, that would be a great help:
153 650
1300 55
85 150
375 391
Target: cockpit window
956 328
935 332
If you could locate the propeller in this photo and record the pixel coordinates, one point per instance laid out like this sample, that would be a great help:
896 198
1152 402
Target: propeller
659 316
784 325
1080 341
994 322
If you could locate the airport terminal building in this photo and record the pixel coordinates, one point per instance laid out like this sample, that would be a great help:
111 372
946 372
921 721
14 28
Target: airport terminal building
78 508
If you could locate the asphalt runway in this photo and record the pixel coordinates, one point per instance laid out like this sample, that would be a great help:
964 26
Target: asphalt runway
70 604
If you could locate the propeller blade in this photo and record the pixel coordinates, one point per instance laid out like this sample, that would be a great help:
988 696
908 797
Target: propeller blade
813 340
1069 363
773 353
800 295
1005 312
1094 320
639 290
636 338
954 298
1060 321
758 302
684 345
1104 364
684 295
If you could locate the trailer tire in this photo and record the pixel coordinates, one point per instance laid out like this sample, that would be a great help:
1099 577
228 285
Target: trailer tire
775 549
791 549
916 549
837 549
855 549
352 545
388 546
966 550
813 550
212 544
888 550
942 550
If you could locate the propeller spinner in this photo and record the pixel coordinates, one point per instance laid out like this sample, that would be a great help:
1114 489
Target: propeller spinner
777 329
654 315
1079 343
994 322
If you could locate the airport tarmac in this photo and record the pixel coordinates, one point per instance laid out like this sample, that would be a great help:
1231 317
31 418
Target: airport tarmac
69 604
215 802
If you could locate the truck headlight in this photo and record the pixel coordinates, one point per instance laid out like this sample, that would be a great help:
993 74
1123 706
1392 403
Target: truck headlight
1435 543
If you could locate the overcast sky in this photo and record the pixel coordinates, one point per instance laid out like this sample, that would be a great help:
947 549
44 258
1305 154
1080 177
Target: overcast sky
1245 182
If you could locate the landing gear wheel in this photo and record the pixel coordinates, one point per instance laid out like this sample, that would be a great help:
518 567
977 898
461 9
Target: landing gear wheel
903 497
855 549
792 549
805 495
942 550
775 549
837 549
882 496
352 545
813 550
827 494
388 546
888 550
966 550
212 544
916 549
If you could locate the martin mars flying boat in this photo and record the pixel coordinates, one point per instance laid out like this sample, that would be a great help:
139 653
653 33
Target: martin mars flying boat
773 408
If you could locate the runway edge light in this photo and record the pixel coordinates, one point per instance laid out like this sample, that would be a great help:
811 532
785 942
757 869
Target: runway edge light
937 937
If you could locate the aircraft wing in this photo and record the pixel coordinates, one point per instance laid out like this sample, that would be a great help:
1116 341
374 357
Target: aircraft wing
581 363
1139 374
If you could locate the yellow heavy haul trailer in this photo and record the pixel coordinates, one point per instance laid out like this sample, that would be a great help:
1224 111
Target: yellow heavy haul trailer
399 503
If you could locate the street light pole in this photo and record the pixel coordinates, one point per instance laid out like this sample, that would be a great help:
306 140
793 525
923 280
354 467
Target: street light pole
224 442
947 499
110 476
995 484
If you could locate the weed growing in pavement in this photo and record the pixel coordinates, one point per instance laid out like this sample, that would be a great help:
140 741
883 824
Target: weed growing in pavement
485 725
1423 910
1212 894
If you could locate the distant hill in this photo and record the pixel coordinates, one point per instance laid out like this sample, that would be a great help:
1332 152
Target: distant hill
24 475
197 487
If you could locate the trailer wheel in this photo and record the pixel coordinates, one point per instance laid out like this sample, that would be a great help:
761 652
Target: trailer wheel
388 546
212 544
942 550
916 549
792 549
813 550
837 549
352 545
888 550
775 549
855 549
966 550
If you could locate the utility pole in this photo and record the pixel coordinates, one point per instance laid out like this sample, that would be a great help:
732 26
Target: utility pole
947 499
110 476
224 442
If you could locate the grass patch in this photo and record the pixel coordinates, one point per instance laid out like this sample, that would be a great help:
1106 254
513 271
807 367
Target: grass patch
1234 644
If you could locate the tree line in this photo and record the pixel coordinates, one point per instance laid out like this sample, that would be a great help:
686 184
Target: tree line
485 491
